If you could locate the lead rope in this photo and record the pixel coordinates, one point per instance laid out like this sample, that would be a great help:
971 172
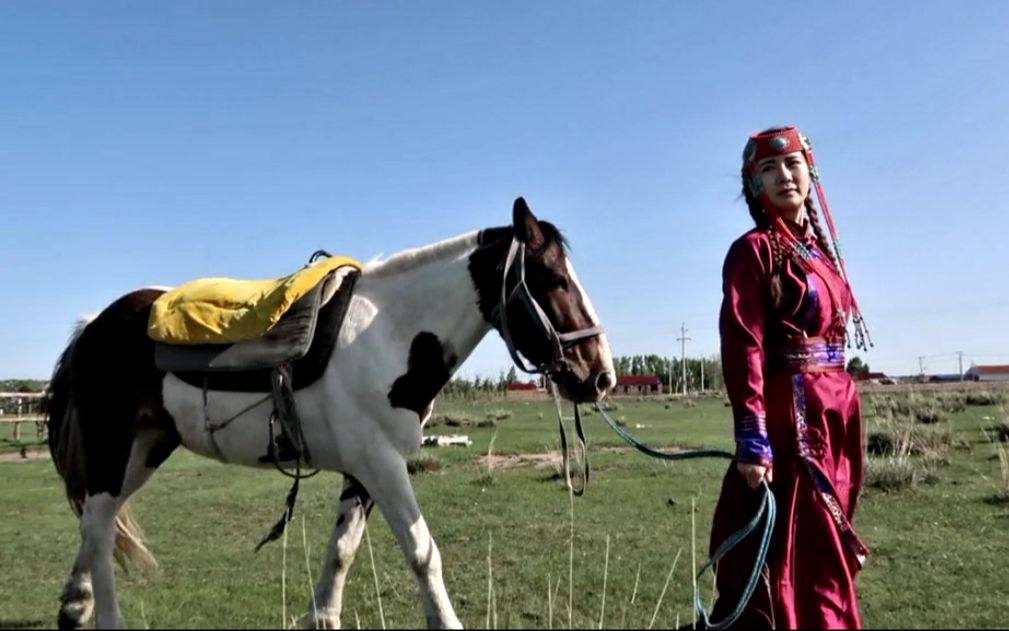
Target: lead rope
766 512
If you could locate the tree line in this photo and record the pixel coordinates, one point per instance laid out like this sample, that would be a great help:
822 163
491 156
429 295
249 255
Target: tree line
669 370
22 385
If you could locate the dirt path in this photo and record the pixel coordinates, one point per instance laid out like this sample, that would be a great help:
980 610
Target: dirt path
540 460
24 455
510 461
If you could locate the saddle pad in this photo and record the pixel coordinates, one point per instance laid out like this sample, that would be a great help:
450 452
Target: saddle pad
224 310
287 340
221 372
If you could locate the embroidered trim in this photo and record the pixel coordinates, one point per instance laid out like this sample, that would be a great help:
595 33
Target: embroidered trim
813 354
750 425
823 486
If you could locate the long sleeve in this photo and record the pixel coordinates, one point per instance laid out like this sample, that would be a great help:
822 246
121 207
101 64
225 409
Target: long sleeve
742 321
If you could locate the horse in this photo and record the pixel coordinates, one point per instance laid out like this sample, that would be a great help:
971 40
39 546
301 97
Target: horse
411 321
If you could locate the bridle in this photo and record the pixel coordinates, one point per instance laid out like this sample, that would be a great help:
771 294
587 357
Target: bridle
558 363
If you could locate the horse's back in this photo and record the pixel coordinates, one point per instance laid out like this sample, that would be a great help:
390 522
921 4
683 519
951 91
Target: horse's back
114 349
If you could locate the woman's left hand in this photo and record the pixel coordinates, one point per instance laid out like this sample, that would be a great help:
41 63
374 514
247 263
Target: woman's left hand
754 473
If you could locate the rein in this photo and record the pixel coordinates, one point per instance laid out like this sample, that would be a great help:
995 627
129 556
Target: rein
566 464
558 364
765 513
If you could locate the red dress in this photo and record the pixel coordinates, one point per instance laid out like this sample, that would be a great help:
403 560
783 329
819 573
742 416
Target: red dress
797 409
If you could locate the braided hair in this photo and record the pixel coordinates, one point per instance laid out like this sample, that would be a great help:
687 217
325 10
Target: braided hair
779 252
763 223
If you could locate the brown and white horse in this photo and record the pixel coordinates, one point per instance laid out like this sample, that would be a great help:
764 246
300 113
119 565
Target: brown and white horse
412 320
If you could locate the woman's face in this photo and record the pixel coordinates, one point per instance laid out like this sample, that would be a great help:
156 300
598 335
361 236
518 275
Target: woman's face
785 180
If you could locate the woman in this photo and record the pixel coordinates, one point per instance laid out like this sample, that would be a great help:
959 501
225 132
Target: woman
786 304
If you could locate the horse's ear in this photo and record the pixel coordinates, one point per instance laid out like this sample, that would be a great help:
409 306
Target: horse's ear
527 227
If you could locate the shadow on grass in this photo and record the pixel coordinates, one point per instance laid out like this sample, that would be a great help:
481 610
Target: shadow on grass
998 499
23 624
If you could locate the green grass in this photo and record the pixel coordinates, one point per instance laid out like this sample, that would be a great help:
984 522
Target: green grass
939 549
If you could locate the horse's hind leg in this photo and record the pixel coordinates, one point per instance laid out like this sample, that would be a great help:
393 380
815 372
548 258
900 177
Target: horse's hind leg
108 530
352 513
77 600
110 431
389 483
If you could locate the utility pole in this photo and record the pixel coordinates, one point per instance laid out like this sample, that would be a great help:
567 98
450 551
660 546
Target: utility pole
683 353
702 374
921 366
960 363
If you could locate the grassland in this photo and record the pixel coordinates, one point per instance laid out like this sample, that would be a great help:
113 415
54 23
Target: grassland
936 517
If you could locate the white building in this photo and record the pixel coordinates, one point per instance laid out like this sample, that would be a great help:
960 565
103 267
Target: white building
987 373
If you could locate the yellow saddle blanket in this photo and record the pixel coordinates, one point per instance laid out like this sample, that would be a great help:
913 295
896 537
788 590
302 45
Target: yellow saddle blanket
224 310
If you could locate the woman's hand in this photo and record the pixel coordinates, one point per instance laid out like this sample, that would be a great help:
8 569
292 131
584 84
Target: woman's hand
754 473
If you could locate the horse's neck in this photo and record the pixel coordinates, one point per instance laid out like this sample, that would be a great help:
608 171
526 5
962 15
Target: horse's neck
432 293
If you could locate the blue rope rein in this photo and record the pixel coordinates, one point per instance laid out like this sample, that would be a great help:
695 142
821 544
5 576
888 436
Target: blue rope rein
765 513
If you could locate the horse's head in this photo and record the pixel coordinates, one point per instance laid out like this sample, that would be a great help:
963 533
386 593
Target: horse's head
530 293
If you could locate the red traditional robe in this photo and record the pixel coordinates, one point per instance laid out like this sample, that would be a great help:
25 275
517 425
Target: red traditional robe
796 409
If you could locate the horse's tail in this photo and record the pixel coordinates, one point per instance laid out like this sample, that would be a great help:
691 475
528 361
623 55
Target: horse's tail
67 449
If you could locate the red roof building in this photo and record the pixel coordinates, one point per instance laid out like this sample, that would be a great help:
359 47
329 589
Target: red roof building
524 390
521 385
992 372
638 384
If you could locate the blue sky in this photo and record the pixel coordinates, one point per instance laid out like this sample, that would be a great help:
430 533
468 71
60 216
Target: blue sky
151 143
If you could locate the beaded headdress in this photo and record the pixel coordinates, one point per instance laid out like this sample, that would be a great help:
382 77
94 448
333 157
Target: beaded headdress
789 140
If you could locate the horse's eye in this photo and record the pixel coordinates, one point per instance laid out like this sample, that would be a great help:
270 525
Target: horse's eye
559 282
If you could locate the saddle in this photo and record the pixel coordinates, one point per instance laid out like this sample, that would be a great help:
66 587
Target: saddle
224 310
272 336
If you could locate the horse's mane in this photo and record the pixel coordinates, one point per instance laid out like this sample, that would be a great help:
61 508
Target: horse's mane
411 258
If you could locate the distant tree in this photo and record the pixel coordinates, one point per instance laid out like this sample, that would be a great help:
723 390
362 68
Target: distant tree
22 385
856 365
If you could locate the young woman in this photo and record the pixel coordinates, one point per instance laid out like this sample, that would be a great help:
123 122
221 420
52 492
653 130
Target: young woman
783 322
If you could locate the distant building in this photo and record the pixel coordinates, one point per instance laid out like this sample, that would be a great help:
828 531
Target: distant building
994 372
945 378
871 377
638 384
523 390
521 385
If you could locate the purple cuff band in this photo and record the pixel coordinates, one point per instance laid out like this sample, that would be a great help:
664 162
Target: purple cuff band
752 444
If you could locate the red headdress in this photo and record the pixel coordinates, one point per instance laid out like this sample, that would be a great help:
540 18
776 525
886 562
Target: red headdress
789 140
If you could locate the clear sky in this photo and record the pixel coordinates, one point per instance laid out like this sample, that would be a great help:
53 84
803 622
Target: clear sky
151 143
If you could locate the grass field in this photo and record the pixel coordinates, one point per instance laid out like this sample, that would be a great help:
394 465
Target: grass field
939 534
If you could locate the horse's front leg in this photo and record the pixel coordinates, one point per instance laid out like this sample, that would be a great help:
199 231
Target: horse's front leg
351 514
389 484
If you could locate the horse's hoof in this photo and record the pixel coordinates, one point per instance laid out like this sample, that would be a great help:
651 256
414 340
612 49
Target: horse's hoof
320 621
76 607
73 615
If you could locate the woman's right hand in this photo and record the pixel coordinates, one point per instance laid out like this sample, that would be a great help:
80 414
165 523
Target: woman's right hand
754 473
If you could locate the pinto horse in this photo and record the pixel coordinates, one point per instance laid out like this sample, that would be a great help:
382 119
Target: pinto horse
412 320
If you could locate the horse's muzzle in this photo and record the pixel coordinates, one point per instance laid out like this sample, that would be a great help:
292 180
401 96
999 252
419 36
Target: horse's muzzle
589 390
